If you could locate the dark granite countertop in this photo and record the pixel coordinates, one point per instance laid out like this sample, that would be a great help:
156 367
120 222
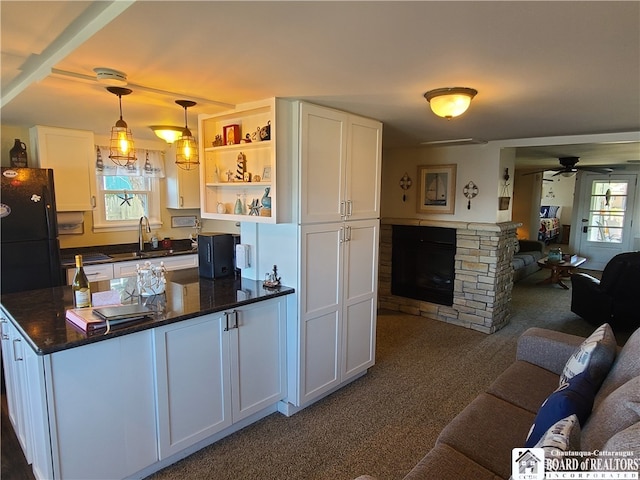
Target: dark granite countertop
40 314
98 254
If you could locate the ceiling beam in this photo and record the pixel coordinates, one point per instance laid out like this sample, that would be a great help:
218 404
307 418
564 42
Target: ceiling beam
92 20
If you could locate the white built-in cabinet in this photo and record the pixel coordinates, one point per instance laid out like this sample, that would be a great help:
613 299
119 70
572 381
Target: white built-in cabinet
217 370
183 186
330 248
338 287
224 162
339 198
340 165
71 154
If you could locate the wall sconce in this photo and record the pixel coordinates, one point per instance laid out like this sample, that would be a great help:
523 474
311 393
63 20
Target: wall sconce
168 133
450 102
186 146
121 148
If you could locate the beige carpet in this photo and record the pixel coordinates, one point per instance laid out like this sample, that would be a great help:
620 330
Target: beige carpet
382 424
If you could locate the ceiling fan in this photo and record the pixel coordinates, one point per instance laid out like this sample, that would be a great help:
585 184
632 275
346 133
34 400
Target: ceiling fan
568 167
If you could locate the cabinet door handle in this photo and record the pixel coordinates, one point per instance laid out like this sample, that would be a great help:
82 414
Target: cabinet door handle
348 234
93 201
181 201
349 208
226 319
341 236
235 319
342 209
16 357
3 335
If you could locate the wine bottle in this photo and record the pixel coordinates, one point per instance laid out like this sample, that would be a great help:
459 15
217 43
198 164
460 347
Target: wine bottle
80 286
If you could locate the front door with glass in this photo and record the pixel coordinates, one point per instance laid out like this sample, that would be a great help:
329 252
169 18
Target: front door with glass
605 216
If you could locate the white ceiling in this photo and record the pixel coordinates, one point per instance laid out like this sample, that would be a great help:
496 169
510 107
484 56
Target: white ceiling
541 68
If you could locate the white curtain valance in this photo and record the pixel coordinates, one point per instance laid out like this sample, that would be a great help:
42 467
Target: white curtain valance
150 163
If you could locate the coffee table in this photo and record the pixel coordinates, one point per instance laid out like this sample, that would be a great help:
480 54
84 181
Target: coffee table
560 269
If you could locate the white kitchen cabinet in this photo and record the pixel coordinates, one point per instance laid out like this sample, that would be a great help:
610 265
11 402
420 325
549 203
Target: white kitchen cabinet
71 154
101 398
176 262
108 271
24 380
337 305
216 370
95 273
17 393
340 165
192 381
183 186
330 252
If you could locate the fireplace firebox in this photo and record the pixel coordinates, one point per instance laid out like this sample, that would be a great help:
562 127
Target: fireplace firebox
423 263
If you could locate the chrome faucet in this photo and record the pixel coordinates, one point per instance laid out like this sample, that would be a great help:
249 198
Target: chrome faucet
140 236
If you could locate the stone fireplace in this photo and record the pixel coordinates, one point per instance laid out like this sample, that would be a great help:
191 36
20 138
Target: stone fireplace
483 276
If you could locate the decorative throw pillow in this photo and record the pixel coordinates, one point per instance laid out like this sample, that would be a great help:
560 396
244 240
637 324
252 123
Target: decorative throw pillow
573 397
619 410
595 355
563 436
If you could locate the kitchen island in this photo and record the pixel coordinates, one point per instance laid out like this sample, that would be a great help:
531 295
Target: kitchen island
126 403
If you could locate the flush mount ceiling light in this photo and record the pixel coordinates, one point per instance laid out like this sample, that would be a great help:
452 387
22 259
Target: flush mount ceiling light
450 102
168 133
111 77
186 146
121 148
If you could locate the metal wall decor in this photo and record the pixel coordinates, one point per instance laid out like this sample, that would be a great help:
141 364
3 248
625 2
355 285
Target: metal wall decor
470 191
504 198
405 184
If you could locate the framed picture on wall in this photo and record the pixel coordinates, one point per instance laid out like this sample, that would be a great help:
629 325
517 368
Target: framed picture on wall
436 189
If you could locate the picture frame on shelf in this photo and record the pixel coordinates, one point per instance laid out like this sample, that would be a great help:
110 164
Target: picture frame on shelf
231 134
266 174
436 189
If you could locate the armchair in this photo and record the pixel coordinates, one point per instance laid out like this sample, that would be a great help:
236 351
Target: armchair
615 298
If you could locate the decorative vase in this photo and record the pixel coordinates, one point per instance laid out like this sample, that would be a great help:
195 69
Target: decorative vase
238 209
266 203
18 154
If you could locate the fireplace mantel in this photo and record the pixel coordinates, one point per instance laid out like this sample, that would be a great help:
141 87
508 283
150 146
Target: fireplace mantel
483 274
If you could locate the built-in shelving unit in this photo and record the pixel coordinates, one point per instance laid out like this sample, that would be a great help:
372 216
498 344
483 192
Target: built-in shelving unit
243 171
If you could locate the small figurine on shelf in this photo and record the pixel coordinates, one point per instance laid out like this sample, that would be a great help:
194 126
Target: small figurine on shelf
241 167
272 280
254 207
218 141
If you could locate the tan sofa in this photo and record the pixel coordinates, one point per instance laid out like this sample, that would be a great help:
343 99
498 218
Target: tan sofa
477 444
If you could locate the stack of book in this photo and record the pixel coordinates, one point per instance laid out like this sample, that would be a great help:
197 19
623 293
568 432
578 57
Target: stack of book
99 318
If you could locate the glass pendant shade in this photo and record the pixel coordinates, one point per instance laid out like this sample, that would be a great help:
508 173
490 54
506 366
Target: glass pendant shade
450 102
121 147
186 145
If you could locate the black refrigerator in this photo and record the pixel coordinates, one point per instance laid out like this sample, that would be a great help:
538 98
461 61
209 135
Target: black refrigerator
30 251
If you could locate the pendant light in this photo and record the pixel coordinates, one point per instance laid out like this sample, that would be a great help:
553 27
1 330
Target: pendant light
121 149
186 146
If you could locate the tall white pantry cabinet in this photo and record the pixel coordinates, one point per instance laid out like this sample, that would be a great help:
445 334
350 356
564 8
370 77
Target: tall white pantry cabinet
329 250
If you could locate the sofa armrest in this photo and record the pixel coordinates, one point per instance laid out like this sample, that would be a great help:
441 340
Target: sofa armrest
547 349
531 246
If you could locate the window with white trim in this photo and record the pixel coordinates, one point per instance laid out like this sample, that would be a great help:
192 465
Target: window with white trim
124 194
